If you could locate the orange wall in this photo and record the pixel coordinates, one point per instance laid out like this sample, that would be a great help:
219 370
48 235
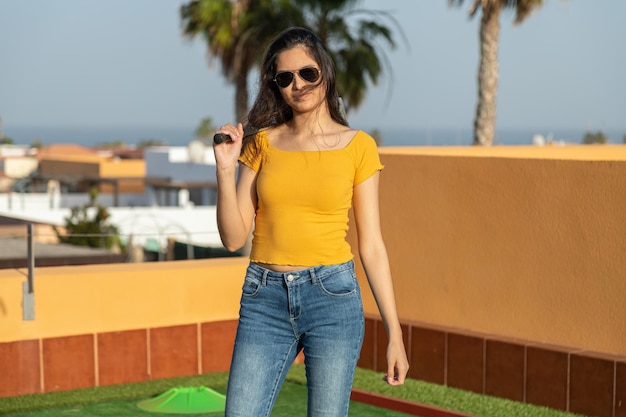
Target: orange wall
123 168
105 298
526 243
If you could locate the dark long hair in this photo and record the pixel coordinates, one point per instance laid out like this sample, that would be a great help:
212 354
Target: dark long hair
269 108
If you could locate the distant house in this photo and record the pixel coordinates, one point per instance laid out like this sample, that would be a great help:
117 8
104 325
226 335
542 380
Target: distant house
179 176
16 162
163 202
78 169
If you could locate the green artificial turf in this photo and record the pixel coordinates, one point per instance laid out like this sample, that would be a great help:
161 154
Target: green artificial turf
113 393
291 402
120 400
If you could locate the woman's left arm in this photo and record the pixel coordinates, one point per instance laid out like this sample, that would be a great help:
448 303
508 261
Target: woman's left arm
375 261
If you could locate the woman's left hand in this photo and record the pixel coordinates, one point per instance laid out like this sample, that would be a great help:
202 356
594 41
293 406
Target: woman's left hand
397 363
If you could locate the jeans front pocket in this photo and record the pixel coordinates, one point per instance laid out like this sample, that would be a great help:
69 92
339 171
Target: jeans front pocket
340 284
251 285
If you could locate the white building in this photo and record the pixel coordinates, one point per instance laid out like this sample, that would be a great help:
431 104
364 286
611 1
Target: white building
179 202
16 162
181 175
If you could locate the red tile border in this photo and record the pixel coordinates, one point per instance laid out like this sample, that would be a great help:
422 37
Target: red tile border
427 355
620 390
591 386
368 350
465 362
123 357
218 339
21 373
547 377
380 362
504 370
472 361
174 351
59 353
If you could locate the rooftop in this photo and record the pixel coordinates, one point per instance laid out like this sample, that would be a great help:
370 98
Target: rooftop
14 254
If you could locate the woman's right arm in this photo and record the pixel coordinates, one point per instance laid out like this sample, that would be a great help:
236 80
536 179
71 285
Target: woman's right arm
236 197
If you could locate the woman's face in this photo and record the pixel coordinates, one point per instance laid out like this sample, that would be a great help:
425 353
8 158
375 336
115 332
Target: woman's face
301 95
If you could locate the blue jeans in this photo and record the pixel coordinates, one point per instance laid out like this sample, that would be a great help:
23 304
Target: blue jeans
318 309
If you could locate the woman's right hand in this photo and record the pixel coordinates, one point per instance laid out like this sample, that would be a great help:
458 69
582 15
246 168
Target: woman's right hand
227 152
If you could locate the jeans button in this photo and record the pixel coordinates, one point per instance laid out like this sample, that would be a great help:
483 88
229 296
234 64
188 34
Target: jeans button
290 277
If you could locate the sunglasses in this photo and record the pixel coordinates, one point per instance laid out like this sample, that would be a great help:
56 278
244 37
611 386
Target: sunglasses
309 74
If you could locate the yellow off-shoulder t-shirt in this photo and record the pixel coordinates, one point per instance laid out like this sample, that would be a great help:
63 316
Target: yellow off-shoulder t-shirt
304 198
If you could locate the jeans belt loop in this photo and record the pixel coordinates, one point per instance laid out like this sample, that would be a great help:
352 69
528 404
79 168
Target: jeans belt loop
313 276
264 278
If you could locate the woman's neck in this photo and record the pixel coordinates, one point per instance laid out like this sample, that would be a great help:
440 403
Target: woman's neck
300 134
309 127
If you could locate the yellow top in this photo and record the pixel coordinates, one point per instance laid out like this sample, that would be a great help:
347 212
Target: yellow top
304 198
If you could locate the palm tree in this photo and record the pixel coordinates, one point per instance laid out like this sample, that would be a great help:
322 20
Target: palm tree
485 121
237 31
205 130
358 50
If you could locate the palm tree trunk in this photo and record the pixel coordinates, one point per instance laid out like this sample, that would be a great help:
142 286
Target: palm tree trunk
241 96
241 112
485 122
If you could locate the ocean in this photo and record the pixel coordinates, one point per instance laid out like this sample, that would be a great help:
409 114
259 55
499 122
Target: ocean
181 136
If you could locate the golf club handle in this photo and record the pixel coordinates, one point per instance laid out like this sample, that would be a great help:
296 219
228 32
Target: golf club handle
223 137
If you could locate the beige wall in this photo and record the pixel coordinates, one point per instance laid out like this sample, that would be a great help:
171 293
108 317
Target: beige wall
18 167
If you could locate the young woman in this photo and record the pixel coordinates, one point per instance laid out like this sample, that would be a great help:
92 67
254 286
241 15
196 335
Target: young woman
296 179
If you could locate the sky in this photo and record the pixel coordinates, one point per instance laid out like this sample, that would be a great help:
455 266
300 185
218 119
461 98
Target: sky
126 63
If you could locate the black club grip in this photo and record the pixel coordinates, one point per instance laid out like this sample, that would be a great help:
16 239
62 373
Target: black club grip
221 137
